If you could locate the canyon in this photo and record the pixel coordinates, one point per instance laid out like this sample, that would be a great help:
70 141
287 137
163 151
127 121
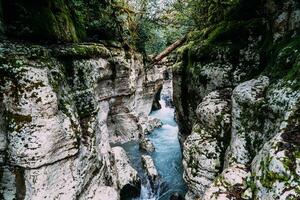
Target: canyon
85 115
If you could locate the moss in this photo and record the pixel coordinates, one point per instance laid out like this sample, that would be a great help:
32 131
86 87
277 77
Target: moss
84 50
251 183
18 118
252 120
270 178
284 61
49 19
15 121
234 31
222 44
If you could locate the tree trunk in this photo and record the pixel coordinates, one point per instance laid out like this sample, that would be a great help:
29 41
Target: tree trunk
169 49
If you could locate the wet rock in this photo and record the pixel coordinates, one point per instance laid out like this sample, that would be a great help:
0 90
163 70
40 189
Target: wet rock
148 124
150 168
146 145
124 172
176 196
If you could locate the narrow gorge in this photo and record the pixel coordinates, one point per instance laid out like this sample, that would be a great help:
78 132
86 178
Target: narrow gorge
150 100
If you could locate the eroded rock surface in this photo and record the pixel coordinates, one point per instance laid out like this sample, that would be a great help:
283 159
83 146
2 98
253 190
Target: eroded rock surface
60 109
204 149
244 146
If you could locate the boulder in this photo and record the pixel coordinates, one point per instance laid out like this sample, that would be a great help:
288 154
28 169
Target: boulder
149 123
150 168
146 145
248 103
123 171
204 148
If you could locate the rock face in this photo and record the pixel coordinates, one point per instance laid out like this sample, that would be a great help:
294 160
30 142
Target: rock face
204 149
247 127
237 101
61 107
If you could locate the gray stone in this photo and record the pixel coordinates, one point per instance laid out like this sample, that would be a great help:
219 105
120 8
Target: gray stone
146 145
150 168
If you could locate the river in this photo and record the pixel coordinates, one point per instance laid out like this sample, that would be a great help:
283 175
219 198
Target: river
167 158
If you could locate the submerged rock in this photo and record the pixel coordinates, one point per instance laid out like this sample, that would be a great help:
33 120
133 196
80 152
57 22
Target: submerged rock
146 145
176 196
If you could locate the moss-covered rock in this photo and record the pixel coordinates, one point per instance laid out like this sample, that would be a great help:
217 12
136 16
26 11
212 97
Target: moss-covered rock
205 148
276 167
284 62
220 56
69 20
87 50
48 19
1 20
243 46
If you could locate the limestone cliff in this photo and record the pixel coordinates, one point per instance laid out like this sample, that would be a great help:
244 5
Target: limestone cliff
236 90
63 104
61 107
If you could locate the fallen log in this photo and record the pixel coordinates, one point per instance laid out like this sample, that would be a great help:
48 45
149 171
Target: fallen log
169 50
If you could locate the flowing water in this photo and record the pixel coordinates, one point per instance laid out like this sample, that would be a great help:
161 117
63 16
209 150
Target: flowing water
167 158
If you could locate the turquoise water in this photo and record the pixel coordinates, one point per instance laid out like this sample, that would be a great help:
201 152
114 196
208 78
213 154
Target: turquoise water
167 158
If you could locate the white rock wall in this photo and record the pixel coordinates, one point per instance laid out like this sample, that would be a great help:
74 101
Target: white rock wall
60 112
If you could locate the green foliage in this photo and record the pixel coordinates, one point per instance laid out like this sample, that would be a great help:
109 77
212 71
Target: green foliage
159 25
284 60
150 37
44 19
207 12
69 20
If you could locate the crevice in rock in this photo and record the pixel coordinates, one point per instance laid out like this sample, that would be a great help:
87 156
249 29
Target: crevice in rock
130 191
156 105
20 183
